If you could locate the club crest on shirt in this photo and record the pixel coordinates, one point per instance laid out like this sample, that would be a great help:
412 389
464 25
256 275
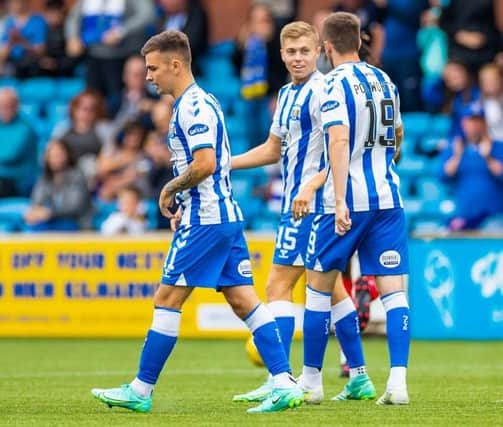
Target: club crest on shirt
295 112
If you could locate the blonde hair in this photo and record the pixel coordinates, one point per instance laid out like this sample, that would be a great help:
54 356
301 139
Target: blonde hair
297 29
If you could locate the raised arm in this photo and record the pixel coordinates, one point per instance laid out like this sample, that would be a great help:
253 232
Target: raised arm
265 154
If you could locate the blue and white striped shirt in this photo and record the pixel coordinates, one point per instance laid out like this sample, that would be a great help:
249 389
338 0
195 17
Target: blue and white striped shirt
198 122
297 122
364 98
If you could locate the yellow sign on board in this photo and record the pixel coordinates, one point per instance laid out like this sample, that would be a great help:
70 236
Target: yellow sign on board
91 286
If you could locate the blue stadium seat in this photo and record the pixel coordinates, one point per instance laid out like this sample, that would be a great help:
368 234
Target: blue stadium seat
37 89
217 68
429 226
57 111
411 166
9 82
440 125
266 221
30 109
67 88
235 127
416 123
431 188
225 48
12 210
238 144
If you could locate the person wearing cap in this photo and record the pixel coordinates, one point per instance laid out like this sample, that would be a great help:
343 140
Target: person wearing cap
473 164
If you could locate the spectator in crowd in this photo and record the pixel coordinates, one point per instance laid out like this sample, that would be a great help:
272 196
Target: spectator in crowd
60 199
461 93
474 165
370 27
87 132
157 150
432 42
18 148
126 164
261 68
130 218
190 17
109 31
22 42
134 102
401 21
472 32
3 17
283 11
323 63
55 62
491 90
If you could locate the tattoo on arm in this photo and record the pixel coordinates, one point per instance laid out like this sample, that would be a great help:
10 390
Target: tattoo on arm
188 179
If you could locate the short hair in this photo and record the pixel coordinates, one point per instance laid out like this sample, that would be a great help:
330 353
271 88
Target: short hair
342 30
169 41
297 29
99 101
131 188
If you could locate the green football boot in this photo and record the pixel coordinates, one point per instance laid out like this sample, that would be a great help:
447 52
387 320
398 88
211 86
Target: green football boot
279 400
358 388
258 395
124 397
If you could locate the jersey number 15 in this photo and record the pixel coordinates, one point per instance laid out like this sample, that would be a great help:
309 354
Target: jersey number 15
387 138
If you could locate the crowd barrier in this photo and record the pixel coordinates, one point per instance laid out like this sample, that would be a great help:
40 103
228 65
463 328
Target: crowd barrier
456 287
92 286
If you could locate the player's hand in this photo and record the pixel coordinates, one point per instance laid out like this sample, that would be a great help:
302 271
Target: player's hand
175 220
166 201
301 202
342 220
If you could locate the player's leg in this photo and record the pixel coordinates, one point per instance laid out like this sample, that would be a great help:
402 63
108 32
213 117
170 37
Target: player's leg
347 330
159 343
279 286
316 332
384 254
247 306
397 330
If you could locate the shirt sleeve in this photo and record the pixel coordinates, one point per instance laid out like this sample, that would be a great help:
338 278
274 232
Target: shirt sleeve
38 31
4 38
275 126
200 125
334 109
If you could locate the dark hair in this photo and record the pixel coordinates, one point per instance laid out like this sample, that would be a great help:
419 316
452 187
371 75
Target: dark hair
131 126
55 4
71 161
98 99
169 41
342 30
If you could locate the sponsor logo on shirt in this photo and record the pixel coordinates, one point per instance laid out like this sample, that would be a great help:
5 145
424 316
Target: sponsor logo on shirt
329 105
197 129
244 268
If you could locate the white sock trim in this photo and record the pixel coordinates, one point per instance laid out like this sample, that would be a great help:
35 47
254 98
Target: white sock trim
394 300
342 309
166 322
316 301
281 308
141 387
260 316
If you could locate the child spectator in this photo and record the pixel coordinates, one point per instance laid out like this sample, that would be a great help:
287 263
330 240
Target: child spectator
61 200
130 218
23 39
491 88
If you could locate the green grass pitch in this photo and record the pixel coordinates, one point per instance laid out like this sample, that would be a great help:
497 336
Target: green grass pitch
46 383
